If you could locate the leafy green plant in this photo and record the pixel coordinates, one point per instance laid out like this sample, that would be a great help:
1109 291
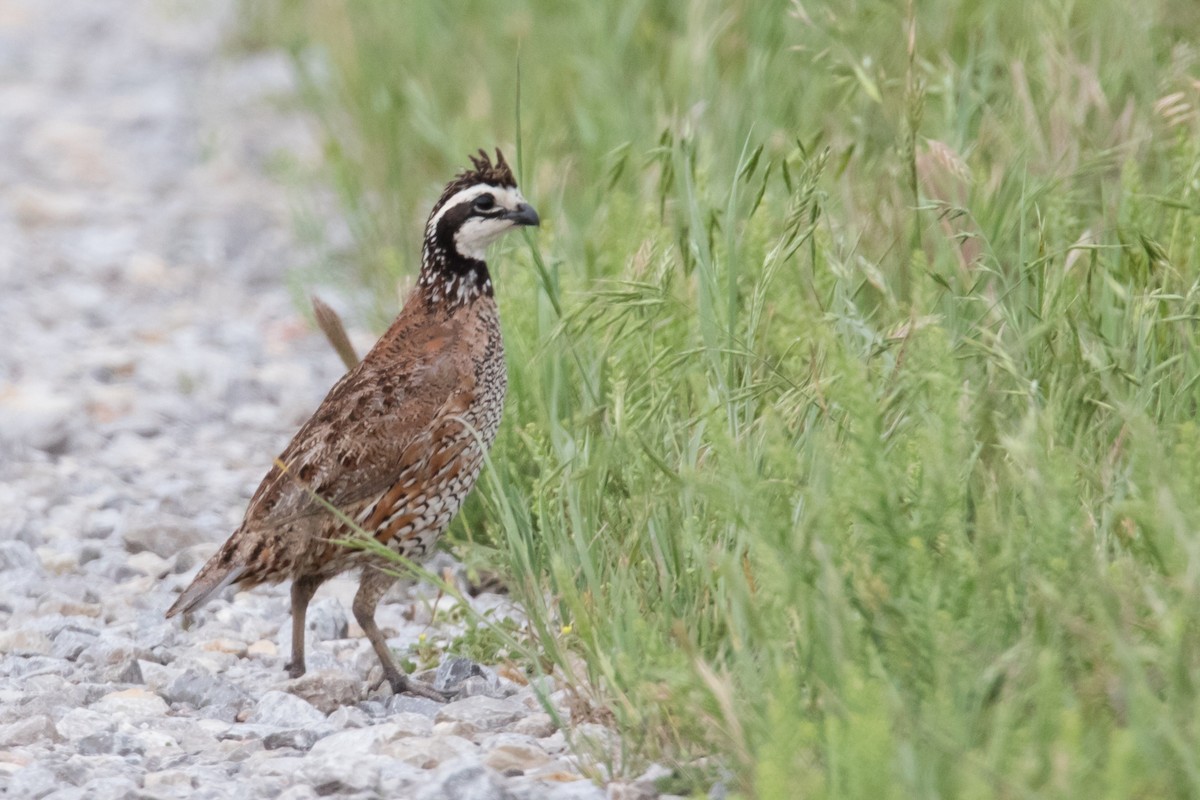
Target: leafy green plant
853 374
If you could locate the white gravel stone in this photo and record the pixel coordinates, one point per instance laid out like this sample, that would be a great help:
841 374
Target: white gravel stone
27 731
349 717
427 753
481 713
80 722
149 563
557 788
282 710
372 740
136 702
25 642
348 773
537 725
169 781
300 791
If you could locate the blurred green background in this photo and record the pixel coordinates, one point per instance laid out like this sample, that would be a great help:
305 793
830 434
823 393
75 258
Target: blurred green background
851 445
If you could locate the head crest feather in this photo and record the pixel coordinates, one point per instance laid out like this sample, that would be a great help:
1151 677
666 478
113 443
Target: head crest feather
497 174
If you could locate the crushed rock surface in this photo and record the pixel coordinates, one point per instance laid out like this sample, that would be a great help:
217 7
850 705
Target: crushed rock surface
152 364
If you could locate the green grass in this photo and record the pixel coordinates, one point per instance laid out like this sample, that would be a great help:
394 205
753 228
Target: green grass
854 372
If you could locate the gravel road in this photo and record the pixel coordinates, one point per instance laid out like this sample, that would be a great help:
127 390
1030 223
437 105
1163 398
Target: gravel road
152 364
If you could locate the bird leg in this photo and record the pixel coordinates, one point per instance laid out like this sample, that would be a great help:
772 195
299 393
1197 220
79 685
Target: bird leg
303 589
375 583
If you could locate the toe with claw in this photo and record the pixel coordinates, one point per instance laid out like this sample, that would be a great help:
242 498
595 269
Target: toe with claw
401 684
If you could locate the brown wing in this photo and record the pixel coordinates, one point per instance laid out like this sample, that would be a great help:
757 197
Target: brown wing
371 424
352 448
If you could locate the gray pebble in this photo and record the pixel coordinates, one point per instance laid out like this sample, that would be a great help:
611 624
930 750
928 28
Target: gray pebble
36 665
127 673
35 780
109 743
109 649
453 671
299 739
19 557
465 781
70 642
374 708
486 684
403 703
201 689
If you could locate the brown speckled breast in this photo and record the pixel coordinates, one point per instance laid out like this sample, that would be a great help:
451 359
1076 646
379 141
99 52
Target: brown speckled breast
412 514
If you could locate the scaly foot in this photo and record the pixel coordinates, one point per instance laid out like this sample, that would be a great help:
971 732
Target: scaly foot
401 684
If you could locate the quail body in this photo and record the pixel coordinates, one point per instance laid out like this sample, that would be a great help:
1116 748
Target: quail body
399 441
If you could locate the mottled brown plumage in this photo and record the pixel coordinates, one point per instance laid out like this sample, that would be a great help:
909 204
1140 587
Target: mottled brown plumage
398 442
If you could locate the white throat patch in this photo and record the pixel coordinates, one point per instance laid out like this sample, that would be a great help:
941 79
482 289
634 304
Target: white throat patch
477 233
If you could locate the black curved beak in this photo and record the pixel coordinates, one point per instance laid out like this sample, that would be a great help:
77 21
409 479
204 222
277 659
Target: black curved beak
523 215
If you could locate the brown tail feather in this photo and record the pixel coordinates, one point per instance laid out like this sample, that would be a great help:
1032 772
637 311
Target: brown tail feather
331 325
214 577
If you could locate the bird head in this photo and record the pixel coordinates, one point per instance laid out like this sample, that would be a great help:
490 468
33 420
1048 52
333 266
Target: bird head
476 208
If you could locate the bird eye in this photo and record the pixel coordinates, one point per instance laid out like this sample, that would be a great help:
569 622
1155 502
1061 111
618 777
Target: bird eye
485 202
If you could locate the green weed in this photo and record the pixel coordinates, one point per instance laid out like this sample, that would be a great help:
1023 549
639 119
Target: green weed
853 374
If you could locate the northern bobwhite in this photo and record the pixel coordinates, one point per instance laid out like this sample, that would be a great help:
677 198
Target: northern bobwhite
398 442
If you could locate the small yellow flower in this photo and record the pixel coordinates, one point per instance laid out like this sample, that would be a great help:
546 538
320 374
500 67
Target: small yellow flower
566 630
420 638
